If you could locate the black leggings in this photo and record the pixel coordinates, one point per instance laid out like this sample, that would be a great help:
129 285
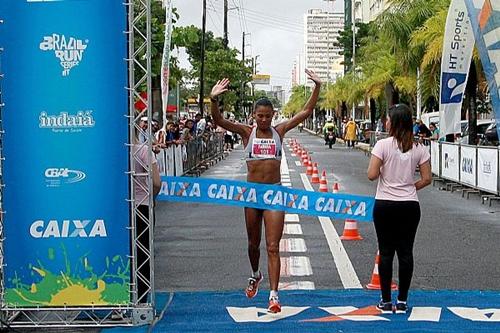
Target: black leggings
396 225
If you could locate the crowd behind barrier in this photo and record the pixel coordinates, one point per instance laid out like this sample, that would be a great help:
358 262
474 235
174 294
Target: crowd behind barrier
191 157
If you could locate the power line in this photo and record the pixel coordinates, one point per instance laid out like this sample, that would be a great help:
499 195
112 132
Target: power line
268 23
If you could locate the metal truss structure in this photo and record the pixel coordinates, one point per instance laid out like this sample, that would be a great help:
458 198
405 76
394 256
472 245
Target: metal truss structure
140 309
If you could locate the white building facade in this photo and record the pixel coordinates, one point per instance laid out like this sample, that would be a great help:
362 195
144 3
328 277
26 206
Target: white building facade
321 32
367 10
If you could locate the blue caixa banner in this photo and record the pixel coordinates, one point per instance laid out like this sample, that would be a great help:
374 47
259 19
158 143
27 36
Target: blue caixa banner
66 214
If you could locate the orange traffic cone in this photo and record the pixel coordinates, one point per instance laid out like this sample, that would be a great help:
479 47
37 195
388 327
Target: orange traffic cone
305 158
375 281
309 170
335 187
323 184
351 230
315 175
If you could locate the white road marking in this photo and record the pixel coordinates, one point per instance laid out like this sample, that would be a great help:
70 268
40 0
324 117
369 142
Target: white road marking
296 285
293 245
291 217
260 315
298 163
425 314
287 184
293 155
292 229
295 266
346 271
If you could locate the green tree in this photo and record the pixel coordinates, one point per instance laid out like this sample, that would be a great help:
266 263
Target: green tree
344 42
297 100
219 63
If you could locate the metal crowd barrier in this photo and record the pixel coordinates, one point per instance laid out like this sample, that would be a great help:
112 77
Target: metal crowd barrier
192 157
476 168
376 136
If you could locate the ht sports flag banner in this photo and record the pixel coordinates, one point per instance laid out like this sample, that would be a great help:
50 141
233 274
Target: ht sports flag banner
165 60
455 62
485 19
263 196
66 215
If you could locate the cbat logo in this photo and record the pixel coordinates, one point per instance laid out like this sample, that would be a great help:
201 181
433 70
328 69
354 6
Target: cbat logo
69 51
55 177
68 229
467 165
66 122
452 87
487 168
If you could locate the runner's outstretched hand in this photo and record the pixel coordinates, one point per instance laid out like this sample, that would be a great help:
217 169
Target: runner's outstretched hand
313 76
220 87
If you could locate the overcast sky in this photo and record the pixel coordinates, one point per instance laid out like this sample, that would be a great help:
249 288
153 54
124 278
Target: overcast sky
276 28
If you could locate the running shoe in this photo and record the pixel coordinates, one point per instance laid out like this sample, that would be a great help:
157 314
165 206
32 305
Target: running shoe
401 307
253 286
385 307
274 305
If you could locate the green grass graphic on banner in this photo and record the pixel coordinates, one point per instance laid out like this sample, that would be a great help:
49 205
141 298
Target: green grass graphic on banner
77 285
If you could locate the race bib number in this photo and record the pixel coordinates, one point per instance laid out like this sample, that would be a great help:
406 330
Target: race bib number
264 148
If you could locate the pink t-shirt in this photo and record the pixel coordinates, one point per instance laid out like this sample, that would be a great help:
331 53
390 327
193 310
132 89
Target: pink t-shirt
396 181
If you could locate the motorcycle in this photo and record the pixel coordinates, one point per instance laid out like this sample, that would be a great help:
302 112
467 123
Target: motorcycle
330 138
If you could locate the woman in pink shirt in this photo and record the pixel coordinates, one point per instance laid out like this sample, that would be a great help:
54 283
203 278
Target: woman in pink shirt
397 211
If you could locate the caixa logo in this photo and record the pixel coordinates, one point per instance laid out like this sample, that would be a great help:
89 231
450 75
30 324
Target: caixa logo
68 229
468 165
68 50
55 177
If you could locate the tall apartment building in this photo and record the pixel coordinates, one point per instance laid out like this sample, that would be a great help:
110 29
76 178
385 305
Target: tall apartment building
321 32
298 74
364 10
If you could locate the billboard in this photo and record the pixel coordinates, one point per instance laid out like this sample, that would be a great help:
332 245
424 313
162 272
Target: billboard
66 239
261 79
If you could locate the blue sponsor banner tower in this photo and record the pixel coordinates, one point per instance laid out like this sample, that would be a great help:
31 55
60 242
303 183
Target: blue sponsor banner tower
66 186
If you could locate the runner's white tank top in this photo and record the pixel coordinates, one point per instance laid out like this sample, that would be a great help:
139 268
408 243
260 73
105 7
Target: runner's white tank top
263 148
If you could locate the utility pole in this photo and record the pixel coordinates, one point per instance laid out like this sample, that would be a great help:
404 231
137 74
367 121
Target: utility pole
353 18
226 40
202 69
242 91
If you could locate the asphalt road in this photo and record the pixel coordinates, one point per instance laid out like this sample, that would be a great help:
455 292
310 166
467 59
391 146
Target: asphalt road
203 247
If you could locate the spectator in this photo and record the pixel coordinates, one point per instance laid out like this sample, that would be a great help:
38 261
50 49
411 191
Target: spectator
424 134
434 131
416 126
199 125
187 133
351 133
380 126
143 221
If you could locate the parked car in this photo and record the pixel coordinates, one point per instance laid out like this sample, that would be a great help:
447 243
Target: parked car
491 134
482 126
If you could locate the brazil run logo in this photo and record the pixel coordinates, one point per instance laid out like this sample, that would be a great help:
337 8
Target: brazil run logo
68 50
